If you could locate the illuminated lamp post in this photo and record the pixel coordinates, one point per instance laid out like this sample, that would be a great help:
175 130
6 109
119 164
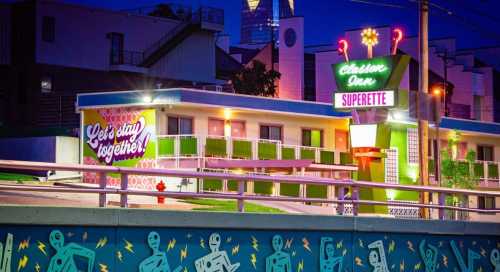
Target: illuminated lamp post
369 37
437 92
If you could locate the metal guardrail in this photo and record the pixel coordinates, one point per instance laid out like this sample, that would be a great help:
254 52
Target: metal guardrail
125 172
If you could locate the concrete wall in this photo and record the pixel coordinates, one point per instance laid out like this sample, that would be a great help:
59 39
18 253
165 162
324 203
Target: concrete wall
292 124
291 60
117 240
76 27
5 34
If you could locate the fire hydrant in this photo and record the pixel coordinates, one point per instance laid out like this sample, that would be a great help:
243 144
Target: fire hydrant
161 187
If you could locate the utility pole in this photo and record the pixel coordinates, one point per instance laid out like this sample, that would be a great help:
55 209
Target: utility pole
423 124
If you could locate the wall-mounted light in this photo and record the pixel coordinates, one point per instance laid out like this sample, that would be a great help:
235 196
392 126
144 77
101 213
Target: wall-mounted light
228 113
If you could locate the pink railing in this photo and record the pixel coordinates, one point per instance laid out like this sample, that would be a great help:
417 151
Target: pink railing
125 172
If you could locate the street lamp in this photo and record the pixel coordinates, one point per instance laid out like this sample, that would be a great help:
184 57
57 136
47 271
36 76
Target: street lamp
437 92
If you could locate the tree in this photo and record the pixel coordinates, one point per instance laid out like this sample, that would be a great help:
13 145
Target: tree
164 11
256 80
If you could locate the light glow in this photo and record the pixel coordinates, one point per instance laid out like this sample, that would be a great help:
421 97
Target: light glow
343 48
147 98
369 37
253 4
397 36
363 135
228 113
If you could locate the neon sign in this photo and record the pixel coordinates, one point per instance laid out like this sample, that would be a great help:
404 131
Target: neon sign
354 100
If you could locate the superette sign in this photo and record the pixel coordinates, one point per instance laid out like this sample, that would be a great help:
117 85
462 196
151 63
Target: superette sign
369 83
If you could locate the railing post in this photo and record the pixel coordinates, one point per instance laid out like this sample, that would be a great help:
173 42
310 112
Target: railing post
341 196
441 202
355 197
102 185
241 191
124 195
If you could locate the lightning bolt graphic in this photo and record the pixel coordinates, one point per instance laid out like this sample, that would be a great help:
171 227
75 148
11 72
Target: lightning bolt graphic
392 246
22 263
255 243
37 267
171 244
417 266
202 242
402 266
410 246
306 244
41 247
483 252
189 235
119 256
440 244
445 260
294 253
85 236
340 244
300 266
288 243
358 261
24 244
70 234
235 249
102 242
185 269
480 269
361 243
229 239
344 252
128 246
103 267
184 253
253 260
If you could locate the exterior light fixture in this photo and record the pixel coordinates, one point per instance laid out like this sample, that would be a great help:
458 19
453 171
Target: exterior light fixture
369 37
227 114
147 98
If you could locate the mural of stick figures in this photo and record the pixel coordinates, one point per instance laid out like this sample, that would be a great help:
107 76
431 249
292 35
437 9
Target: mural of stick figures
327 260
429 256
471 256
376 257
216 261
279 261
495 259
63 260
157 262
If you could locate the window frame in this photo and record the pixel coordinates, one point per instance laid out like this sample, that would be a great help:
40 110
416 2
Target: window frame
280 126
481 202
322 133
483 146
179 117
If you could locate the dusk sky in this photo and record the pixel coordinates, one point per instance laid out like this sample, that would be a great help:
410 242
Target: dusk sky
475 23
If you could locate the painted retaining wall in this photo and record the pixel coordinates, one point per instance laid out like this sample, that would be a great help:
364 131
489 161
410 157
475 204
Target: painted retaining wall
123 240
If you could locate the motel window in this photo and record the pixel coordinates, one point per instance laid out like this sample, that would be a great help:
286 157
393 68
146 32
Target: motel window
312 137
484 153
270 132
391 166
486 202
215 127
238 129
48 28
412 145
180 125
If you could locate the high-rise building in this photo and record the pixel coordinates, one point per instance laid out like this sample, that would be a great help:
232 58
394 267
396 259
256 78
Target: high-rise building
260 18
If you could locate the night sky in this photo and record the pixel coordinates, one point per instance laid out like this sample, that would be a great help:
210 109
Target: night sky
475 23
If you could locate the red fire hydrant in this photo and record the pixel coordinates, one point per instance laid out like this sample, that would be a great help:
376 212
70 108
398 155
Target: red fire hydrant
161 187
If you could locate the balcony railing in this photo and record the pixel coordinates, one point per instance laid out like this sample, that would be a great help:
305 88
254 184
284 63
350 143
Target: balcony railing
185 146
125 57
486 171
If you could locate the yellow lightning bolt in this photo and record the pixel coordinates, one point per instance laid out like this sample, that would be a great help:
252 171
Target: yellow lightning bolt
128 246
184 253
340 244
185 269
255 243
235 249
171 244
483 252
392 245
344 252
23 244
300 266
358 261
306 244
102 242
294 253
402 266
202 242
361 243
37 267
103 267
41 247
22 262
410 246
417 266
119 256
445 260
253 260
288 243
